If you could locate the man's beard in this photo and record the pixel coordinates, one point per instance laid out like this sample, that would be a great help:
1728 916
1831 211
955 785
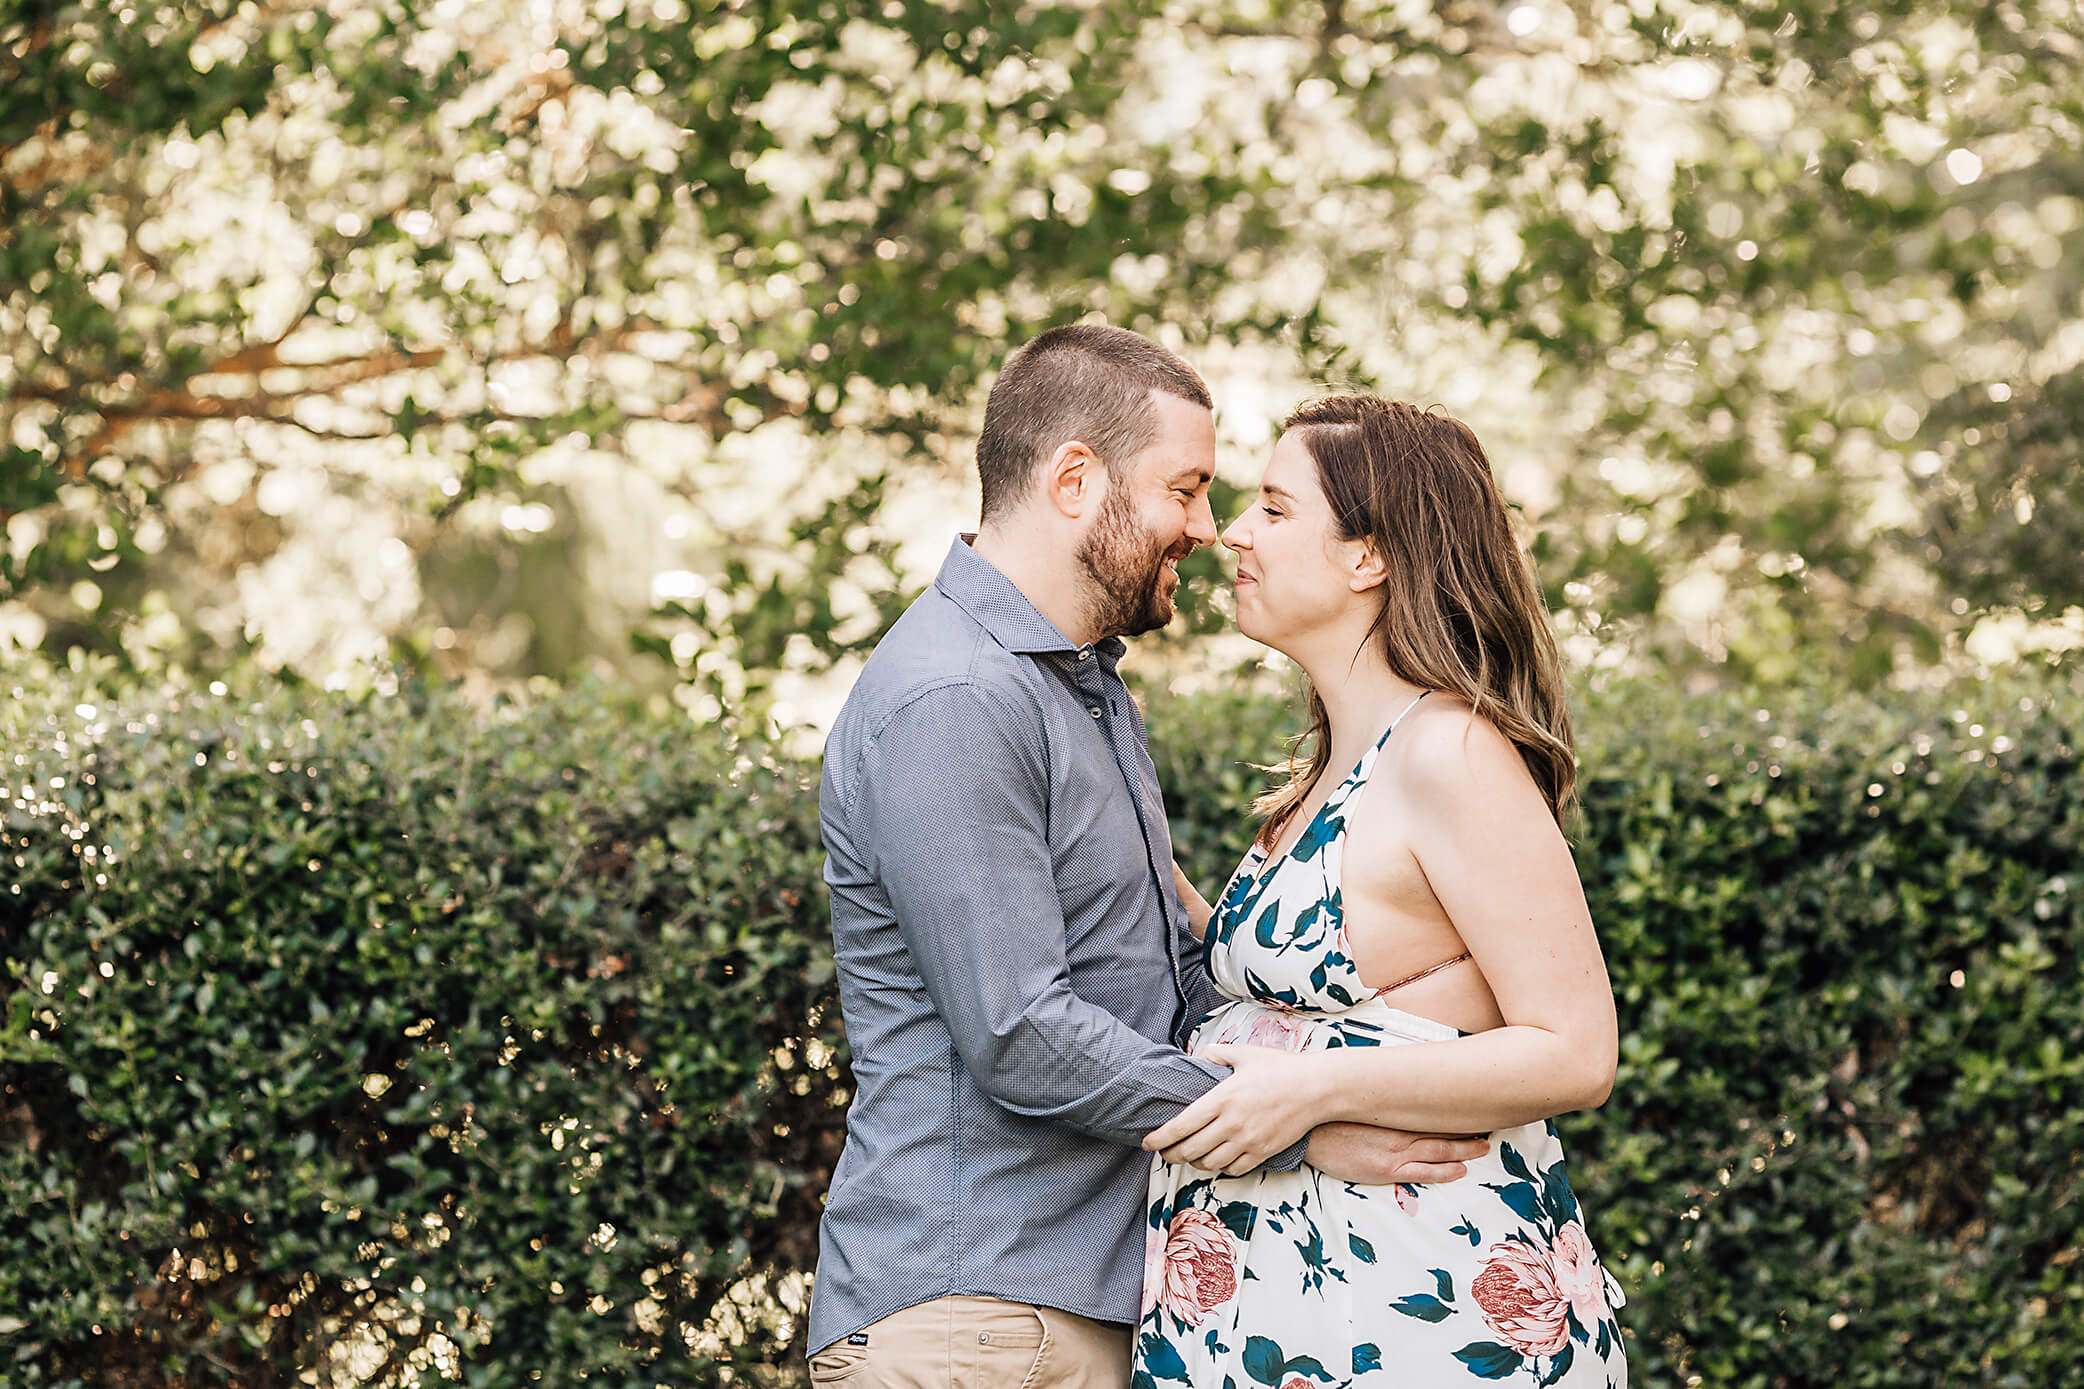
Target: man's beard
1127 571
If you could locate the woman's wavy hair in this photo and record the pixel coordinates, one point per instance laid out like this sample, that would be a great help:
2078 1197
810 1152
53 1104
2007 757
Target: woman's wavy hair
1460 610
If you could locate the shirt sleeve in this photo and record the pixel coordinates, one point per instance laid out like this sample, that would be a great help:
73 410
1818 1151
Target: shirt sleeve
952 802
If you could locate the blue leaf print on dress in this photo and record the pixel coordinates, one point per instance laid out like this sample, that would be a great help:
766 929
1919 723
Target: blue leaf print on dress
1560 1366
1522 1198
1263 1360
1322 831
1488 1359
1161 1359
1424 1306
1306 1365
1239 1217
1445 1281
1367 1357
1362 1250
1557 1196
1267 993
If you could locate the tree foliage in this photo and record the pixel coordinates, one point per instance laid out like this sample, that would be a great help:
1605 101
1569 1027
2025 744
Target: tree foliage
419 319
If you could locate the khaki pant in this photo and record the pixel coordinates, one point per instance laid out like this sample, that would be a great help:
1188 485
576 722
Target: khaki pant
978 1343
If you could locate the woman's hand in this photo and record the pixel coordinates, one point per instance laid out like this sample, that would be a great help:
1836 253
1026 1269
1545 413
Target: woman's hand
1198 909
1269 1101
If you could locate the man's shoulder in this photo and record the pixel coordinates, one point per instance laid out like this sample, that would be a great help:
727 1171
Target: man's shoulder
934 650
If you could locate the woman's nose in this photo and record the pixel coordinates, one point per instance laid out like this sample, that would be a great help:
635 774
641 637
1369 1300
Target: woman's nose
1237 535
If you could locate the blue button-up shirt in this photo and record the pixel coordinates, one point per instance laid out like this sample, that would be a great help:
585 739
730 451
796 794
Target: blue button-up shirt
1015 967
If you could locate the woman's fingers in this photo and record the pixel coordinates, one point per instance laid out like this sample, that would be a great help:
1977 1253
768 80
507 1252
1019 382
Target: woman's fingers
1190 1150
1195 1149
1424 1173
1190 1120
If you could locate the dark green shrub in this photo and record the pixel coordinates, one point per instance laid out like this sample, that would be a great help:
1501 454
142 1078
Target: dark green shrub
384 1031
584 946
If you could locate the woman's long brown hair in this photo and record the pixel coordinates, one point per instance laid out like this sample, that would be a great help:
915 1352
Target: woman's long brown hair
1460 611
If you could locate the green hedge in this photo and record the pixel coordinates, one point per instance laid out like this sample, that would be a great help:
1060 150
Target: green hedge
391 1021
392 1037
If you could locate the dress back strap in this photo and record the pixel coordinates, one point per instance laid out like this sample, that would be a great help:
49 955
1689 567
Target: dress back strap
1428 970
1407 709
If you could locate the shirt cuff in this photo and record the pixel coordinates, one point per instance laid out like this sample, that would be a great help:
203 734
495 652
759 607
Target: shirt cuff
1289 1158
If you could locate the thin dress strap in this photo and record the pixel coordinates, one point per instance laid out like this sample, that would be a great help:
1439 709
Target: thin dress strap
1407 709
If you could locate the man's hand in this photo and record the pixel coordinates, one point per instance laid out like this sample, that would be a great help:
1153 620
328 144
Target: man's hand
1368 1156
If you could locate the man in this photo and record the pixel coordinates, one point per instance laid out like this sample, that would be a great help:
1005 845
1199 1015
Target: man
1015 966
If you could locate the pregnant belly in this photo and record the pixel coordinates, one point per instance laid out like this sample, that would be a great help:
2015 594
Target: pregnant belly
1247 1022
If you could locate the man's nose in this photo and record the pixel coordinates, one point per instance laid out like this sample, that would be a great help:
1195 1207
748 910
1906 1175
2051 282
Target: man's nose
1201 522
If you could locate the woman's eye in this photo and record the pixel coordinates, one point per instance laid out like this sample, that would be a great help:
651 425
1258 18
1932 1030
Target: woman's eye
1271 512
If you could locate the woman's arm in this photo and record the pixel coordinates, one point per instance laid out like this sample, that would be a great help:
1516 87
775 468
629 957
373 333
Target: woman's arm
1501 869
1198 909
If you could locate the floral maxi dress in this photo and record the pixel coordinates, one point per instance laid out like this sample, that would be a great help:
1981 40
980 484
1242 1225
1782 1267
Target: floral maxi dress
1295 1280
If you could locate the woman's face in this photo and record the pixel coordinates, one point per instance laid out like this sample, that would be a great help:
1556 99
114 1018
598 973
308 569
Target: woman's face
1294 574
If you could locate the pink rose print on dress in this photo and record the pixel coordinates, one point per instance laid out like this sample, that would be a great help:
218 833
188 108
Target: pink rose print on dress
1153 1266
1518 1293
1279 1031
1579 1278
1200 1266
1407 1198
1296 1382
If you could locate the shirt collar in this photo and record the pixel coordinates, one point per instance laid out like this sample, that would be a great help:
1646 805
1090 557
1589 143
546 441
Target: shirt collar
977 586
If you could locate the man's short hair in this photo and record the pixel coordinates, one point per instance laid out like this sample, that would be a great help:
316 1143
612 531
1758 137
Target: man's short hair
1083 381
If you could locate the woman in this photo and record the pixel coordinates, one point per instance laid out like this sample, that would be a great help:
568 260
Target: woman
1407 944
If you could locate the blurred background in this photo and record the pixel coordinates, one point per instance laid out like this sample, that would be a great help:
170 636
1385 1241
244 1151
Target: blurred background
505 339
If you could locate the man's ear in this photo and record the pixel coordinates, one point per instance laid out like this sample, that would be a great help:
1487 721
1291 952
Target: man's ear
1369 570
1073 480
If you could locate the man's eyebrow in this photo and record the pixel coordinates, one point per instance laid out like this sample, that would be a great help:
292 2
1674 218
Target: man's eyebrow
1198 475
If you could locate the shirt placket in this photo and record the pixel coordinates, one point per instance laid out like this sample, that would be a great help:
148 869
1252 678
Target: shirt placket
1106 701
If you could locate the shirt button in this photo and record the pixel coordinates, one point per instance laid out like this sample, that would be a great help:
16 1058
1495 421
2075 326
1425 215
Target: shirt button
1085 655
1094 711
984 1338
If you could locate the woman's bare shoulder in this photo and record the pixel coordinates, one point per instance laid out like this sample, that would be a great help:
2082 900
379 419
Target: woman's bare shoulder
1445 746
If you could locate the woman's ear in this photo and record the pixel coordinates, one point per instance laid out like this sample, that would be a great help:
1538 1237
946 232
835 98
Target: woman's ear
1369 570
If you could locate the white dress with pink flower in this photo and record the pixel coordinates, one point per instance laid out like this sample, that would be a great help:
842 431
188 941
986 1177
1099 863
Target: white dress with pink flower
1295 1280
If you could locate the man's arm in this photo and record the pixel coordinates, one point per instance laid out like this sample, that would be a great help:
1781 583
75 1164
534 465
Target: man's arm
1368 1156
951 813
